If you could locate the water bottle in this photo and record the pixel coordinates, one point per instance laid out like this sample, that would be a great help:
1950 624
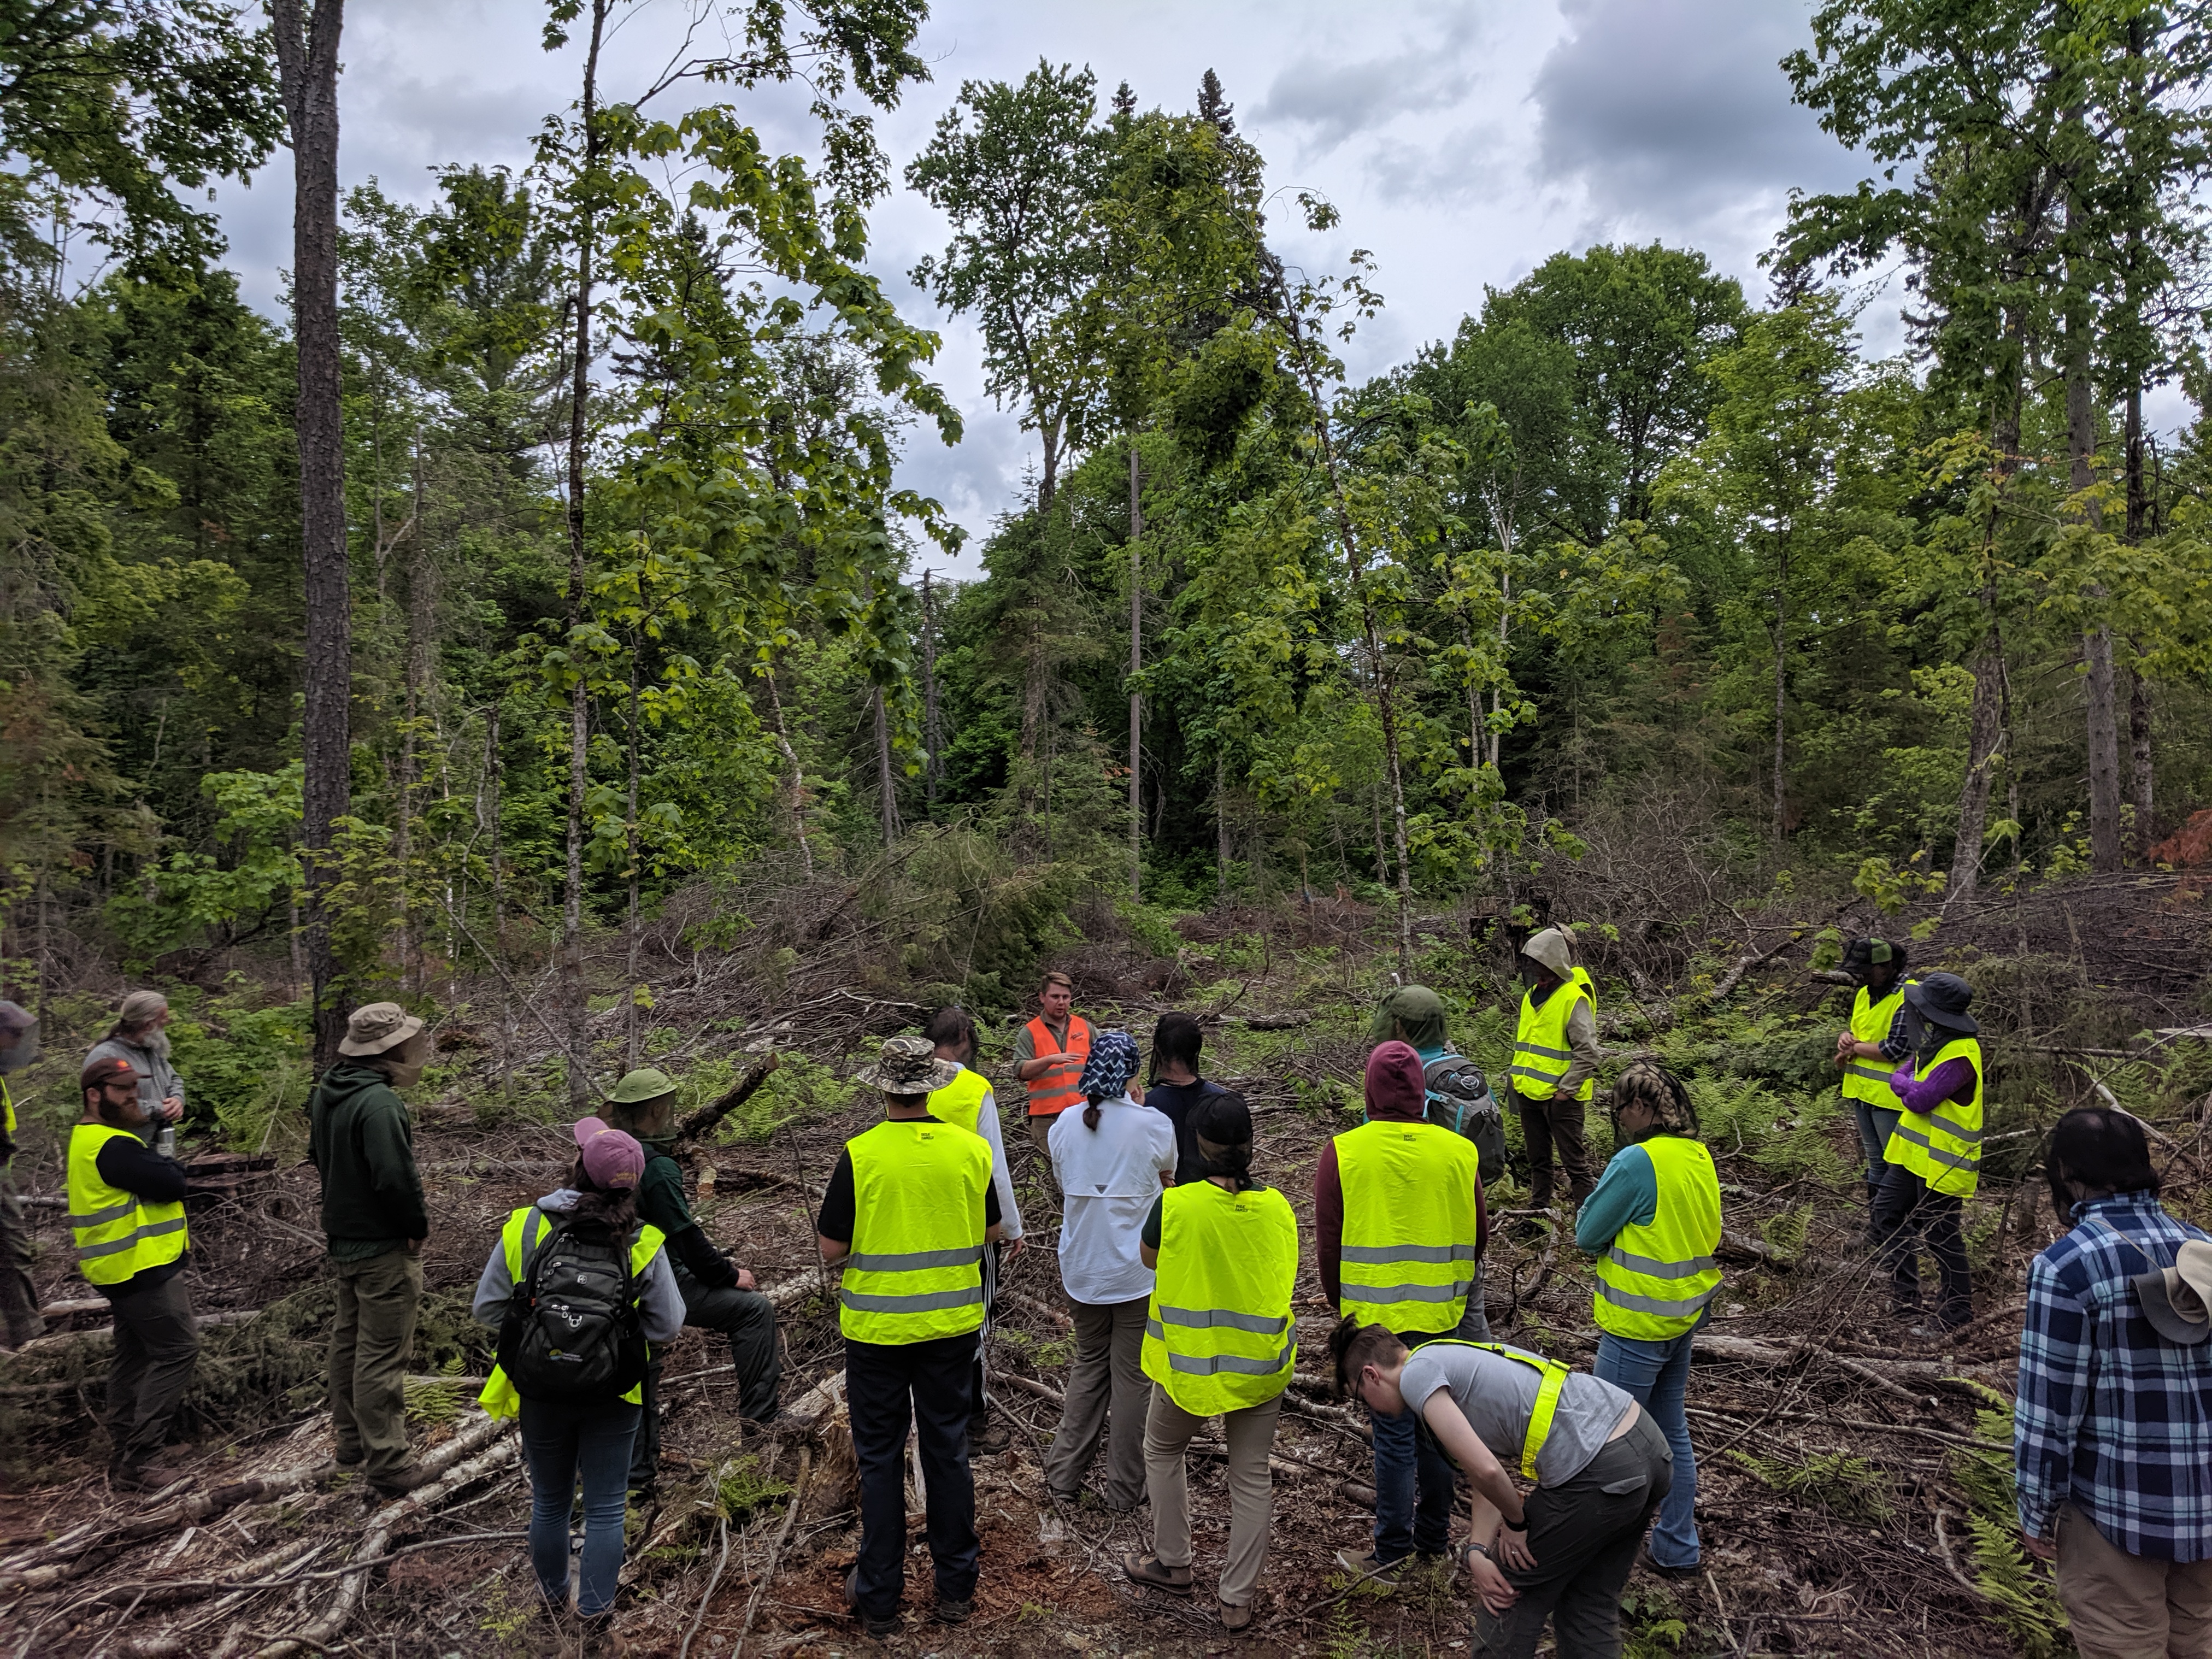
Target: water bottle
166 1142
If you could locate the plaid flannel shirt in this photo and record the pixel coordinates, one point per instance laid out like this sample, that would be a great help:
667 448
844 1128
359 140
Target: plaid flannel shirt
2111 1417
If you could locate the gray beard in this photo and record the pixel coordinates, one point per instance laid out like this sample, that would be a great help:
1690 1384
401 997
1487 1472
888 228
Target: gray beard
154 1040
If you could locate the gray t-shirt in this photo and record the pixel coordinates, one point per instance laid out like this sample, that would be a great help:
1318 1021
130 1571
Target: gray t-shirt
1498 1396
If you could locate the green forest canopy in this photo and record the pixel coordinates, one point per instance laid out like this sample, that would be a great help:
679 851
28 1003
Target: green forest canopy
1631 549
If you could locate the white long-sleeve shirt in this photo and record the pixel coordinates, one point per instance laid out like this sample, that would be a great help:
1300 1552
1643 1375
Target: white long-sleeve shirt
986 1125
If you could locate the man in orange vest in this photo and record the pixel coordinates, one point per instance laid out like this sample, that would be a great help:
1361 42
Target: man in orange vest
1049 1053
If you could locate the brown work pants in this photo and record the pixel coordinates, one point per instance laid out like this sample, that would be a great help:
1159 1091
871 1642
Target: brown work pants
1250 1433
156 1346
19 1301
1040 1137
1108 1397
371 1341
1546 1124
2130 1607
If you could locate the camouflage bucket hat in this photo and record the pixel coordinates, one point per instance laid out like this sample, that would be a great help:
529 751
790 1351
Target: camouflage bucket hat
908 1066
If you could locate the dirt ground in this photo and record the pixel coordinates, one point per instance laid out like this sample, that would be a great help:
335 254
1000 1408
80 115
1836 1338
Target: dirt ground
1835 1514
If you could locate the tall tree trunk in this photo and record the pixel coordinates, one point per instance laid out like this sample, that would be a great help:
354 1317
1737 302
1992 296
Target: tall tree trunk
307 73
1048 430
575 1004
1136 667
886 786
2140 774
631 1013
1986 728
421 626
2098 689
932 727
1035 693
498 903
798 778
1781 694
1221 827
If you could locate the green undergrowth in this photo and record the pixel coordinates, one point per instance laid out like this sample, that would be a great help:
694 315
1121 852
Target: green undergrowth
1849 1488
2019 1591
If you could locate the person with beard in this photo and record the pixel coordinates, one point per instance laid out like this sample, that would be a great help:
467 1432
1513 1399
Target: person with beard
19 1300
2112 1433
138 1039
1934 1159
375 1221
1871 1046
126 1213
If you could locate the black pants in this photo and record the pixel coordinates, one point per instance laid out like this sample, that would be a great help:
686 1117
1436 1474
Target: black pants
1904 1213
1583 1533
1556 1122
748 1319
928 1385
155 1346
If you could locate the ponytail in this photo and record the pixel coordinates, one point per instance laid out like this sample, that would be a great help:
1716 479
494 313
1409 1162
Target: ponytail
1090 1117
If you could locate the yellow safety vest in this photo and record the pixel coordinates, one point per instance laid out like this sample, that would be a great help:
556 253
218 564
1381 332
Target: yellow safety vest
1653 1284
1541 1055
526 1230
7 1108
1218 1335
1944 1147
1410 1231
915 1271
1547 1395
961 1101
118 1233
1869 1079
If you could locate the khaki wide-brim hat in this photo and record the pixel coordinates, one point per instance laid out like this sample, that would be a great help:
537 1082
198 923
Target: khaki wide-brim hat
2177 1300
378 1028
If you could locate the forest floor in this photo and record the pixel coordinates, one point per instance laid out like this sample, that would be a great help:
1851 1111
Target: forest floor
1852 1496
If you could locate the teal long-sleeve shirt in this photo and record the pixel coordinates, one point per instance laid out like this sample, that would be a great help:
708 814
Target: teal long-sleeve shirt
1626 1195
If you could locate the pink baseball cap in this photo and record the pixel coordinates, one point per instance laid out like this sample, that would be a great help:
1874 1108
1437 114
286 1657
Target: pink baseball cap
611 1159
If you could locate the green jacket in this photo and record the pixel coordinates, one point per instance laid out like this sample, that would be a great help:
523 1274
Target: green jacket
360 1139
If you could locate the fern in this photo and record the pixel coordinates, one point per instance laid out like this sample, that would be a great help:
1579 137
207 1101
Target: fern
1785 1234
2023 1603
1847 1487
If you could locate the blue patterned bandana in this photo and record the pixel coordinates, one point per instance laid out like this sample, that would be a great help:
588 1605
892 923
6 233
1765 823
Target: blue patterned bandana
1113 1062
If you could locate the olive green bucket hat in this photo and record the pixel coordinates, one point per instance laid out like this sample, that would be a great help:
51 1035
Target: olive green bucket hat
638 1087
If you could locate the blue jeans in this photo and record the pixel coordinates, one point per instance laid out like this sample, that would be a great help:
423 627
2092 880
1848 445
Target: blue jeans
1874 1124
1413 1477
559 1442
1657 1373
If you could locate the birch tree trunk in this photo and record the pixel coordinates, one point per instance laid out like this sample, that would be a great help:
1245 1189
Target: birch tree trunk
2099 691
307 73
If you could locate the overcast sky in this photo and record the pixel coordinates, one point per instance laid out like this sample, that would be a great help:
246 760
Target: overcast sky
1464 143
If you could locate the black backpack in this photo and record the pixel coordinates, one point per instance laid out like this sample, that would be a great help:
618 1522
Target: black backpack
572 1335
1460 1100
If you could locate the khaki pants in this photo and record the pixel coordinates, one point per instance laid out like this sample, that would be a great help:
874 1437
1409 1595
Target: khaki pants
1040 1137
1109 1367
371 1341
2130 1607
1250 1433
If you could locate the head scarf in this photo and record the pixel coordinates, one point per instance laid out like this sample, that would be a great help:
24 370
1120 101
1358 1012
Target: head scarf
1114 1060
1418 1008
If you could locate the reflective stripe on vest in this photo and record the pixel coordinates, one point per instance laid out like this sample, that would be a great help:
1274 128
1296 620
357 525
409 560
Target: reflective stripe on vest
961 1101
1944 1147
1869 1079
1053 1091
118 1233
1219 1334
1656 1279
915 1270
1547 1395
524 1230
1541 1055
1411 1233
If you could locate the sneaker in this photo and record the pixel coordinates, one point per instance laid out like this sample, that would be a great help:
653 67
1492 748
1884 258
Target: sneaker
876 1625
1384 1577
987 1437
953 1612
1645 1560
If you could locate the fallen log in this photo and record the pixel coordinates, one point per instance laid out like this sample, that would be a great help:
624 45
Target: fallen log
813 1411
83 1305
102 1333
1035 1308
694 1127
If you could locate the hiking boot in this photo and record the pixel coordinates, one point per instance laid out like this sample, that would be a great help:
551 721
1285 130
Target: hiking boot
600 1640
1150 1570
1236 1617
953 1612
986 1437
1384 1579
148 1475
878 1626
397 1483
1646 1560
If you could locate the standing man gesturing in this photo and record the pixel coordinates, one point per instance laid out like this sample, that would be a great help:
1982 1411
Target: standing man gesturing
908 1210
375 1219
126 1211
1049 1055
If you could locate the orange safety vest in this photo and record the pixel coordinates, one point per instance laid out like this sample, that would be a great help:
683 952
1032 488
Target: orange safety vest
1057 1090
